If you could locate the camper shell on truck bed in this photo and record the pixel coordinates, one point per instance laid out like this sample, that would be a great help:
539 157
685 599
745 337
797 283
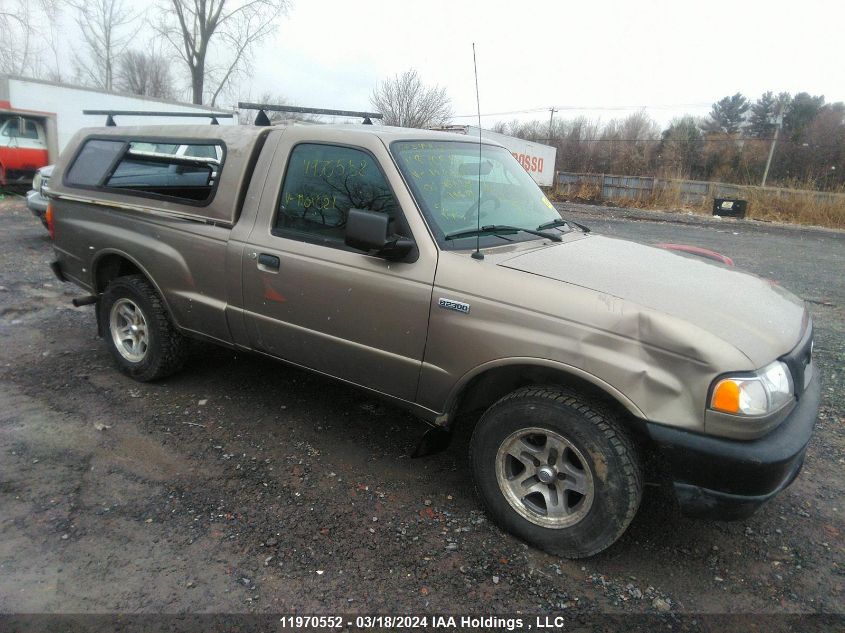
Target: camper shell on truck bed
240 149
430 270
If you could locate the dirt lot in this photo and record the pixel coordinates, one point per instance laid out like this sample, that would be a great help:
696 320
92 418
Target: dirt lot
242 485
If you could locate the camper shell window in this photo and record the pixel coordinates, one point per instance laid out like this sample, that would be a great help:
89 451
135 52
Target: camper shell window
171 169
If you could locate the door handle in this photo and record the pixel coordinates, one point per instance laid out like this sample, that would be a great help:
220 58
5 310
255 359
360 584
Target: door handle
268 261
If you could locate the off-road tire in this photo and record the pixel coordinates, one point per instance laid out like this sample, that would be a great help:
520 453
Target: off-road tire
597 435
166 346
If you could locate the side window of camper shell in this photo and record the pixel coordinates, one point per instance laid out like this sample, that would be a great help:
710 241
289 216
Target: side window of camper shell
170 169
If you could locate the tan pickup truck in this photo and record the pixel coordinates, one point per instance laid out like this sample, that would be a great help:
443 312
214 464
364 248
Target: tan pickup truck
429 269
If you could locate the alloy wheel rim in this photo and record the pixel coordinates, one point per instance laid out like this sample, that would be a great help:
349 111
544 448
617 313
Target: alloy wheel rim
545 478
129 330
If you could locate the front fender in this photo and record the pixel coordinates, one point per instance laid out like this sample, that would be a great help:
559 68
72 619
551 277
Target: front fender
544 363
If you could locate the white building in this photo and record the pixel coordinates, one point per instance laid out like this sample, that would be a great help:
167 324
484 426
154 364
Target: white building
59 108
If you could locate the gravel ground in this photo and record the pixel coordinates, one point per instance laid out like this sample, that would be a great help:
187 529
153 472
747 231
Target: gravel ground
242 485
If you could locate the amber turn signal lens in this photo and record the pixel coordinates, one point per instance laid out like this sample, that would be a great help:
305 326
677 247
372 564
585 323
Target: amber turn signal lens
48 217
726 397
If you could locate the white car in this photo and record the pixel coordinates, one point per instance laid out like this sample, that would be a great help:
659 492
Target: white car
36 201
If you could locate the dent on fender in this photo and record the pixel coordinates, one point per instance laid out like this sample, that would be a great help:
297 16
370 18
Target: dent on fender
636 351
655 369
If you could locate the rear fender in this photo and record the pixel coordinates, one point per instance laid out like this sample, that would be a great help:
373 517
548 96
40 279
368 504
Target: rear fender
95 267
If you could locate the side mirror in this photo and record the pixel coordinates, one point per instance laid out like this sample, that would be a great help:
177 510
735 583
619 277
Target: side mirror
368 231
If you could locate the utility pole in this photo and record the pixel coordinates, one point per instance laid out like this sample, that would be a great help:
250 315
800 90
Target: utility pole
778 123
551 121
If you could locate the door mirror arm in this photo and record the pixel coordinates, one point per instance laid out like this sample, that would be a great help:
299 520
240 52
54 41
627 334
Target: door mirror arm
368 231
396 249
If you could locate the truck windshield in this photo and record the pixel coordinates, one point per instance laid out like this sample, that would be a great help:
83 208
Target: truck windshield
443 176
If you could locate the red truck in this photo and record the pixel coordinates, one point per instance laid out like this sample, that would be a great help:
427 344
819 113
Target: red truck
23 149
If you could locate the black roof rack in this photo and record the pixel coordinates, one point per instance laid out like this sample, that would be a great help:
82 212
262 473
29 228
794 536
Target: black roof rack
262 118
110 114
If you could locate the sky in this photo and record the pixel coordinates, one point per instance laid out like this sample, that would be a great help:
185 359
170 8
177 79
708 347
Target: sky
600 59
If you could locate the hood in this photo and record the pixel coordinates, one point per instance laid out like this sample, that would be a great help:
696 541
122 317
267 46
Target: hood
757 317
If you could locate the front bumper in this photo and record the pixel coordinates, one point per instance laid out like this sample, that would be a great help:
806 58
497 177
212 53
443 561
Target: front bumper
717 478
36 203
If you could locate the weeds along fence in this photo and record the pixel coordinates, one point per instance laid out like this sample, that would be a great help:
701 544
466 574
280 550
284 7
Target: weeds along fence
800 206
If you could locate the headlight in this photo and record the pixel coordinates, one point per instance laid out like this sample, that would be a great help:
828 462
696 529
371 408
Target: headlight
36 181
762 392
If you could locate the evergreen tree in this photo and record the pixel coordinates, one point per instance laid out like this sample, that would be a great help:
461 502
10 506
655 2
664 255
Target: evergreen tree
727 115
801 111
763 113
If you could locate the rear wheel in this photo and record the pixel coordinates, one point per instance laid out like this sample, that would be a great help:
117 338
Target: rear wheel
557 470
139 332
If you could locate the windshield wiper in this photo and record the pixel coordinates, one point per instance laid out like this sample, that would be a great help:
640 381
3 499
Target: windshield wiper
560 222
494 229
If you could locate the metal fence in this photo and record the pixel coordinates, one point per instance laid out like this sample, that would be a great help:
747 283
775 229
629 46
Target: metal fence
693 192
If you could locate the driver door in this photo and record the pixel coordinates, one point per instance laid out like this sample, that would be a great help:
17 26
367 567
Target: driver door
316 302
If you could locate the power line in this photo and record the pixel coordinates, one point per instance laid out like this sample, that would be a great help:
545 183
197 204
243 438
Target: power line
679 140
664 106
468 116
649 140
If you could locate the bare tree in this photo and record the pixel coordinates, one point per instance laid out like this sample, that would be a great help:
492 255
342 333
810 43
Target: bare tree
51 34
17 37
641 134
146 74
106 28
29 38
215 38
680 147
406 102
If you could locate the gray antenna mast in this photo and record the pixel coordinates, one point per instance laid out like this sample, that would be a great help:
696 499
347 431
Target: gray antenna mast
477 254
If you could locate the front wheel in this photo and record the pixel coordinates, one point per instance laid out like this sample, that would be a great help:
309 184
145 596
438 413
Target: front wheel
138 330
555 469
